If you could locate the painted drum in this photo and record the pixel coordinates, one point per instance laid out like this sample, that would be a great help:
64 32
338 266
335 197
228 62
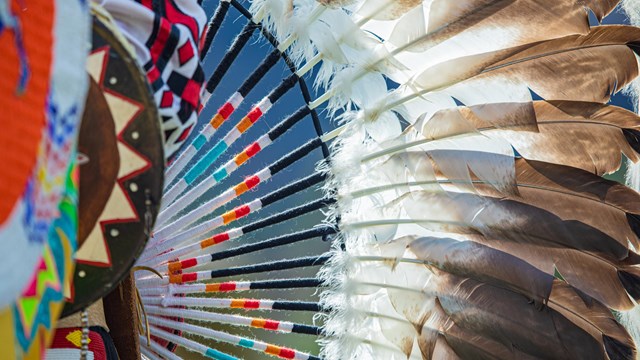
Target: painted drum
121 168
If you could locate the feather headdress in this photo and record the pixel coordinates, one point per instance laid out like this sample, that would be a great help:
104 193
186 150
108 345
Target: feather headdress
466 208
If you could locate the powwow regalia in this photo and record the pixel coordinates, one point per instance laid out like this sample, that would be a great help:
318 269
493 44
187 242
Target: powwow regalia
302 179
42 98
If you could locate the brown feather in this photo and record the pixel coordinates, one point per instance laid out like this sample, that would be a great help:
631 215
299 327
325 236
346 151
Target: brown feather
466 261
569 193
575 196
599 278
583 183
581 68
529 20
484 264
487 265
521 24
588 136
511 319
462 120
594 318
589 259
509 219
471 345
443 339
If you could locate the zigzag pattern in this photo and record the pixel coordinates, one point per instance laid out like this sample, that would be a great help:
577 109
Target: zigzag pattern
34 309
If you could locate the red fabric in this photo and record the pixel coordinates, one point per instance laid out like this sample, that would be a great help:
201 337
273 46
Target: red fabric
242 211
185 53
191 92
161 37
188 263
287 353
252 304
252 181
226 110
271 325
167 99
189 277
227 287
221 237
253 149
255 114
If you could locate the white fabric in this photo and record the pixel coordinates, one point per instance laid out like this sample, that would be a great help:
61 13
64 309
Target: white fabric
66 354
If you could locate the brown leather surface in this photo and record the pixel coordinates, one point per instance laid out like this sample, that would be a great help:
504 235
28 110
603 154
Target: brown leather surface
120 312
97 141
